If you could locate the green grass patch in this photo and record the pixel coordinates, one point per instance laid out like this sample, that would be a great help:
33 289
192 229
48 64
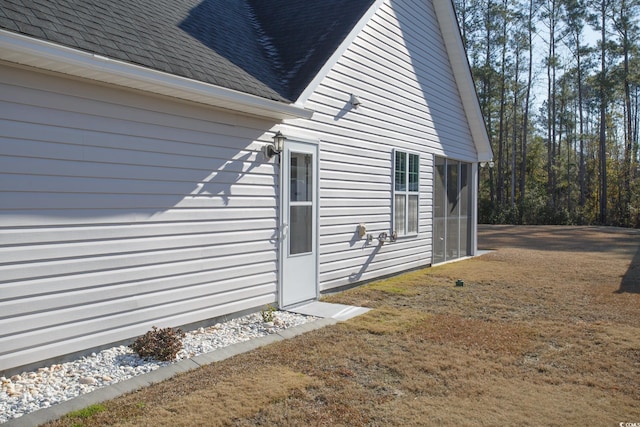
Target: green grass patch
87 412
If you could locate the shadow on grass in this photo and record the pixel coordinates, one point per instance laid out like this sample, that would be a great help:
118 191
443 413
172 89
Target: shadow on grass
560 238
624 242
631 280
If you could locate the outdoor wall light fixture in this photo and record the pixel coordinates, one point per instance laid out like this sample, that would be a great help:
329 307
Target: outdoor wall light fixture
271 150
355 101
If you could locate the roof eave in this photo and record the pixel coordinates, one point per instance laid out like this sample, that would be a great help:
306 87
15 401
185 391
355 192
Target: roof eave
462 74
21 49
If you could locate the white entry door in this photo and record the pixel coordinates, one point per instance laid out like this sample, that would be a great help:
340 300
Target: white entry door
299 223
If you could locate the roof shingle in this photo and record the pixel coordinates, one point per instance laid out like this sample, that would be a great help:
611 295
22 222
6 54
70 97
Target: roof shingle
268 48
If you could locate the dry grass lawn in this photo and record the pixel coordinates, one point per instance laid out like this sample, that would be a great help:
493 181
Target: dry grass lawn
545 331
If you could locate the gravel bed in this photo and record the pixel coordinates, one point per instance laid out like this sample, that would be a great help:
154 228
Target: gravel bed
29 391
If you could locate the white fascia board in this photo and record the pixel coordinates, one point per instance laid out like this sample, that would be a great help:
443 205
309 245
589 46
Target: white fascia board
333 59
25 50
462 73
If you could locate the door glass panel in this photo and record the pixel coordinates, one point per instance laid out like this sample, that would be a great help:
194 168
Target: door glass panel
300 223
300 203
301 177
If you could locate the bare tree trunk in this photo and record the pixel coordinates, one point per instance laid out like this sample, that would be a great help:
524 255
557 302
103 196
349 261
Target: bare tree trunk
486 95
502 125
575 19
628 137
525 116
557 148
501 138
603 118
514 142
581 172
636 122
570 146
551 113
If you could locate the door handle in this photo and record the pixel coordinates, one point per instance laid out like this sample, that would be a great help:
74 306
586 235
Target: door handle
285 230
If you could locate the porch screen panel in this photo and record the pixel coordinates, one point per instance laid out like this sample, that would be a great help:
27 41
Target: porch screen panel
439 217
465 214
451 210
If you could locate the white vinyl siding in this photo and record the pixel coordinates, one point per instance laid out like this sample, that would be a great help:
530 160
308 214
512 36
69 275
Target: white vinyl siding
120 211
398 67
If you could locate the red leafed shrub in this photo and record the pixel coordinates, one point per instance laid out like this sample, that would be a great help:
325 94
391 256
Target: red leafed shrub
160 344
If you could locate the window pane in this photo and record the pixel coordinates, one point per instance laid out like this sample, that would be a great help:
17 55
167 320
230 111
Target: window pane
414 175
300 226
301 178
401 171
412 217
400 214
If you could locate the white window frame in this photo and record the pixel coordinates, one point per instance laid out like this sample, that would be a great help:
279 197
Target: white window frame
407 192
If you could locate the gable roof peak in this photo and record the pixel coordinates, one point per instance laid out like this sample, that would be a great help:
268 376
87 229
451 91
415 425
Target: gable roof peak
303 34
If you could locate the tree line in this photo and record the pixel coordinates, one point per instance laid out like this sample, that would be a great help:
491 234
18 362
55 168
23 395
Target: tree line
559 87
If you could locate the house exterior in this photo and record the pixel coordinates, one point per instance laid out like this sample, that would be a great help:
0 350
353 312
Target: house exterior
134 186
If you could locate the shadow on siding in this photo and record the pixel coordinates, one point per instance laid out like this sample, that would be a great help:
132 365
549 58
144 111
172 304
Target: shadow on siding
427 53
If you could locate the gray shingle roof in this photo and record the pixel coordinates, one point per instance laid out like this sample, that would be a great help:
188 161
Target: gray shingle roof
268 48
